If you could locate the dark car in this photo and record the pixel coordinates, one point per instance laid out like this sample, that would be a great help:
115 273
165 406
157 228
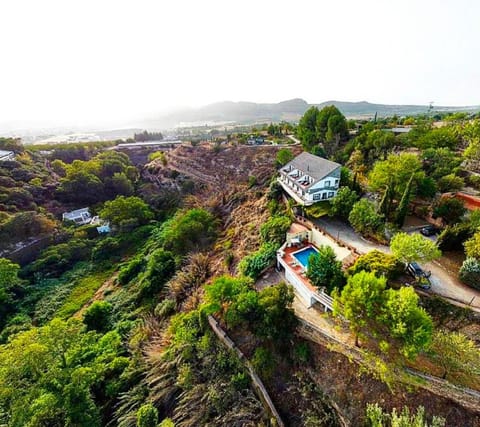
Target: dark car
421 276
429 230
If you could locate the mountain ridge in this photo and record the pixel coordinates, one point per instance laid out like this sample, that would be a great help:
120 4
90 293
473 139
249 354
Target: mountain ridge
290 110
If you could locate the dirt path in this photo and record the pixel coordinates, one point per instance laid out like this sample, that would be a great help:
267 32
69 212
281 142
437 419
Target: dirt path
444 283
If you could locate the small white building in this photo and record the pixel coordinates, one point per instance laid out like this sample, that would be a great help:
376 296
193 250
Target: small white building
79 216
309 179
6 156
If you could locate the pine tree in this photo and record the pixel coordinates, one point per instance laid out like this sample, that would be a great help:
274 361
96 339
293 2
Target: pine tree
403 206
384 206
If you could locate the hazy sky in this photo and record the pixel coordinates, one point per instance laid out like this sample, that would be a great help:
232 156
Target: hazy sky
98 59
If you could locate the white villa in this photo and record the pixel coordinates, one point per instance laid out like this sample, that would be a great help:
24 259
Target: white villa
79 216
6 156
292 258
309 178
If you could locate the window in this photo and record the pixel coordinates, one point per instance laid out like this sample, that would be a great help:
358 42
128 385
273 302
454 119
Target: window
336 182
317 196
327 184
324 195
330 194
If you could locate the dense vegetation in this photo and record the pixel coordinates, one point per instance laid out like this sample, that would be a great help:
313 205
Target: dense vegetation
114 328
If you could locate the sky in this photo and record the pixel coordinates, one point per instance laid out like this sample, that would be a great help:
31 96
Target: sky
101 60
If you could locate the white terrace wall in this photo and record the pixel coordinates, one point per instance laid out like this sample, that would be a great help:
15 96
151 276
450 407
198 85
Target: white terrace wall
300 288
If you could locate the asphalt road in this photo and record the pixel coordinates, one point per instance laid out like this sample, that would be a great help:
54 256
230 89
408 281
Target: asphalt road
443 282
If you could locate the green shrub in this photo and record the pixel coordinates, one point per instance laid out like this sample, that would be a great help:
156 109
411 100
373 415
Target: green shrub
187 231
97 316
107 248
273 231
57 259
263 362
378 262
147 416
131 269
318 209
453 237
252 265
470 272
160 267
365 219
165 308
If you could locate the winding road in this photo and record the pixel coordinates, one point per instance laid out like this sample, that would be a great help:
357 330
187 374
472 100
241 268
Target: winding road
444 283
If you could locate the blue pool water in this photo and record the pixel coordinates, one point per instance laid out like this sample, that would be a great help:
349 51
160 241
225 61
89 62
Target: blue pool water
303 255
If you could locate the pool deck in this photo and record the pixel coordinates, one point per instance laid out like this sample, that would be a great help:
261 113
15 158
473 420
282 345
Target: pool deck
296 267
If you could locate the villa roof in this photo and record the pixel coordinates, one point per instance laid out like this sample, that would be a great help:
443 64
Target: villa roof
314 166
76 213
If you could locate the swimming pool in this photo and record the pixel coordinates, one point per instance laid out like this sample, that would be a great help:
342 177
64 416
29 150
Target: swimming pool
303 255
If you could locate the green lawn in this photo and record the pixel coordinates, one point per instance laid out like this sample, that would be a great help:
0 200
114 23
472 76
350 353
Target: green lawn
318 210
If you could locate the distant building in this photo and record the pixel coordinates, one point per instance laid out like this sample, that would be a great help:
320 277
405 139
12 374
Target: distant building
6 156
398 130
309 179
79 216
255 140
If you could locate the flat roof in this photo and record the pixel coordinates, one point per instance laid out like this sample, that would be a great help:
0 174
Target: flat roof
297 228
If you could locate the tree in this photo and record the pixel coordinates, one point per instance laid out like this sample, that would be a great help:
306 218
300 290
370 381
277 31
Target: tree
147 416
456 354
472 246
413 248
306 129
450 209
188 230
342 203
8 280
439 162
444 137
221 294
81 187
378 262
402 209
97 316
48 373
126 210
470 272
284 156
277 318
406 321
396 172
273 231
324 270
253 264
380 142
360 301
364 218
386 201
327 126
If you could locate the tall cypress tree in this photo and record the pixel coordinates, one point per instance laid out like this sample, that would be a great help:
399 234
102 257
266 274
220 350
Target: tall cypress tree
403 206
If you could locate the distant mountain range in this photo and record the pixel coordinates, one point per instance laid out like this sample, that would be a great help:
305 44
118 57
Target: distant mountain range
291 110
213 114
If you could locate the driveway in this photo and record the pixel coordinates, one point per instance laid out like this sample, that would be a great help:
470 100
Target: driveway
443 282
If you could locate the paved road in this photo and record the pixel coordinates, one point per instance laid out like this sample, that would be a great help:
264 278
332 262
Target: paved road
443 282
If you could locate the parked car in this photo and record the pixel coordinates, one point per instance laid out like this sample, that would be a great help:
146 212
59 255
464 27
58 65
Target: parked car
420 276
429 230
